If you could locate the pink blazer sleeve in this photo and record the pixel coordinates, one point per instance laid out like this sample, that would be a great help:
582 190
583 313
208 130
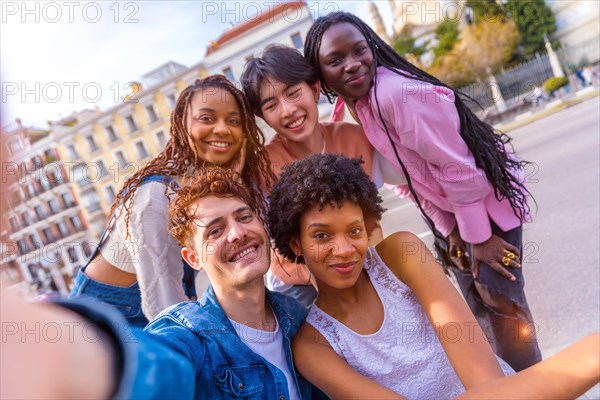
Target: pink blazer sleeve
427 123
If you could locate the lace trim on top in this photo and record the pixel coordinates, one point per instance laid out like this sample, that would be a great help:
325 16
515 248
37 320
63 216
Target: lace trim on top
405 354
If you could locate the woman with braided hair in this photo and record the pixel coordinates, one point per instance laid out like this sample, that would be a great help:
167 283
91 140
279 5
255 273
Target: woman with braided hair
137 266
456 169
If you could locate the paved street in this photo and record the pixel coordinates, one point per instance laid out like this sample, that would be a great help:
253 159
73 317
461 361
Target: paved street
561 247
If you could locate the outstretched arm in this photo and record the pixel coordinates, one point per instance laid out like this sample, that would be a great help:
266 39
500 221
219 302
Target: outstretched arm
50 352
85 350
316 360
566 375
457 329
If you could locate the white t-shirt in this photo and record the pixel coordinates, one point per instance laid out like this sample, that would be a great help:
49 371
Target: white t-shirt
269 345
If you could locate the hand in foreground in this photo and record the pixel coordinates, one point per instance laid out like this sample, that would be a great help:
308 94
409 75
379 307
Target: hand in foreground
498 254
238 164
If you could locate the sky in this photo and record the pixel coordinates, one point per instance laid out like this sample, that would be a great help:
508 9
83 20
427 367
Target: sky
57 57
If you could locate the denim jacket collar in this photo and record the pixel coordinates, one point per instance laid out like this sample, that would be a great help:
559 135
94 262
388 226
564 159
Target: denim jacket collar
289 322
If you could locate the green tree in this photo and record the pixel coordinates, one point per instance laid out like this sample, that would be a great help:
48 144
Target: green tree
483 48
446 33
533 19
404 43
488 10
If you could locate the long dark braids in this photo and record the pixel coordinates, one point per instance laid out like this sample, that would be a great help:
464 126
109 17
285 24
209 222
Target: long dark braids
179 157
486 144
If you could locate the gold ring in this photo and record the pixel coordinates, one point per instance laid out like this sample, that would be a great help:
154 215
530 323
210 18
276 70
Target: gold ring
505 261
459 253
510 254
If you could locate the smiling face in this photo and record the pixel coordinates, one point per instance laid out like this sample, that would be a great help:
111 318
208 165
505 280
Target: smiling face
230 242
333 242
291 110
346 61
215 125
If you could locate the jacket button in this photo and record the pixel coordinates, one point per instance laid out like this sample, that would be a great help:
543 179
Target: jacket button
240 386
282 397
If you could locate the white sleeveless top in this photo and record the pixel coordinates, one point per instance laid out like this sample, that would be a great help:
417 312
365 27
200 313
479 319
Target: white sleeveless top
405 354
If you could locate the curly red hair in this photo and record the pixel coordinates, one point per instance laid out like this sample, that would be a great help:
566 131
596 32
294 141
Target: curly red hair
213 181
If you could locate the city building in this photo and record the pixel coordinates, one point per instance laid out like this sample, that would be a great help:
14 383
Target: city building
283 23
577 29
103 149
47 238
55 220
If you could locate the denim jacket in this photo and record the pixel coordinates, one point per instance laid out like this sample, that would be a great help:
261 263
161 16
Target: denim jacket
191 351
223 366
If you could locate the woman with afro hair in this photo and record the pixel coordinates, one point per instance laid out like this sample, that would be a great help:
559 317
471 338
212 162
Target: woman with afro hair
387 322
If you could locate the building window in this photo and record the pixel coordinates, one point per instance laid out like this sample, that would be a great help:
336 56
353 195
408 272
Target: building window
62 228
57 177
121 160
101 169
44 183
39 212
76 222
151 113
161 139
141 149
90 200
131 124
15 145
73 155
297 40
48 236
110 132
110 193
37 162
73 258
14 224
172 100
93 146
80 175
34 241
67 199
53 205
31 190
26 218
22 246
228 74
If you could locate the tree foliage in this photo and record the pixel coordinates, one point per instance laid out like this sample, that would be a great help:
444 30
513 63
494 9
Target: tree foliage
483 49
533 18
404 43
446 33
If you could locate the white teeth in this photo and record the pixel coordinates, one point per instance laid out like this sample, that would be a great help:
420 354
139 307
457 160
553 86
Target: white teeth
219 144
244 253
296 123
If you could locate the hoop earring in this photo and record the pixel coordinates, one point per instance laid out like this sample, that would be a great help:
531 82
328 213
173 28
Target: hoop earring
309 276
309 271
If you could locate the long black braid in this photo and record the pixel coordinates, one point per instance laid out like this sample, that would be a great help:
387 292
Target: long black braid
486 144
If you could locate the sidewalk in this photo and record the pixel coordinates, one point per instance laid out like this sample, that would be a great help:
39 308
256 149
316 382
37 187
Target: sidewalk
549 108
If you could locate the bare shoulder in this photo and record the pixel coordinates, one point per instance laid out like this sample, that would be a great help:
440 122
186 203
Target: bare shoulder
403 252
343 128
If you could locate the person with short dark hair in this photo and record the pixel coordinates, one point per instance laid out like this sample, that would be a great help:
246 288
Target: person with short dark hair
283 89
